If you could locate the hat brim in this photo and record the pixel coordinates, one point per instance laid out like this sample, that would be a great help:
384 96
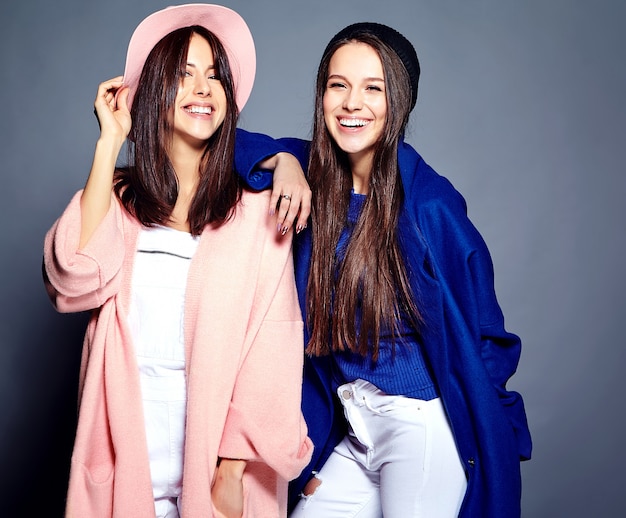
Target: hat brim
226 24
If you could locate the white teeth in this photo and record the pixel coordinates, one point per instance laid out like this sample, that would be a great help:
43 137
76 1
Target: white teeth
200 109
353 123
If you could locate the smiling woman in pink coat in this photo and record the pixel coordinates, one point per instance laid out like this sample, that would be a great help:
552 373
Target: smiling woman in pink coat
192 361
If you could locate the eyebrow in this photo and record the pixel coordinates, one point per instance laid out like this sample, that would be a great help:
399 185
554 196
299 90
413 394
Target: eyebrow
191 64
365 79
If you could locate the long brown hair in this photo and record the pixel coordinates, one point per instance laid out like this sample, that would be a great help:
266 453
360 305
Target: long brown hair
371 279
148 188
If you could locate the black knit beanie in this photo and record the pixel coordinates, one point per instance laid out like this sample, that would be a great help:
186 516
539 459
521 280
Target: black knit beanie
398 43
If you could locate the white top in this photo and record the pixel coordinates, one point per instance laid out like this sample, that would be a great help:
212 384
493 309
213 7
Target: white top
156 315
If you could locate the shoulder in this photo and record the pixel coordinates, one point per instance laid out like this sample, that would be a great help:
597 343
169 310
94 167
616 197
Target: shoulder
253 201
298 147
425 190
438 210
253 221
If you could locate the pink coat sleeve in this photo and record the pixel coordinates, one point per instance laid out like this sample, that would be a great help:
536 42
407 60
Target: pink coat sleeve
83 279
265 421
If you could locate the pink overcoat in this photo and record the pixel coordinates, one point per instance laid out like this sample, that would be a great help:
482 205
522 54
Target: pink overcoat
243 334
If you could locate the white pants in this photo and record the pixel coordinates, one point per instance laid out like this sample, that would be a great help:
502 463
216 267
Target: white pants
398 460
164 405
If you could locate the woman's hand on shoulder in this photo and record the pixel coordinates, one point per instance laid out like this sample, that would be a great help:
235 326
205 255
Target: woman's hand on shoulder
291 194
111 109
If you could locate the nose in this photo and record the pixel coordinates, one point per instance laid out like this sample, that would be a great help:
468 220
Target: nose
202 86
353 100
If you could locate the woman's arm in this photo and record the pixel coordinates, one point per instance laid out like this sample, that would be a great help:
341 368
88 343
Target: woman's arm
261 427
82 254
227 490
263 162
291 194
81 279
115 122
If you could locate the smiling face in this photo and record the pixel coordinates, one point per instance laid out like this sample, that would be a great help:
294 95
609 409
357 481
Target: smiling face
355 102
200 105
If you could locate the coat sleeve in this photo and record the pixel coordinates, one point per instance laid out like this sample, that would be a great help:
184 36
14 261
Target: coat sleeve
252 148
83 279
500 350
265 421
465 267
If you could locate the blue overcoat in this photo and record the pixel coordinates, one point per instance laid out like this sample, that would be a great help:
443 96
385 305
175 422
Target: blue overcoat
471 354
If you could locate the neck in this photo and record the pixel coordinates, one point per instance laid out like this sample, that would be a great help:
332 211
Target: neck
186 163
361 179
361 168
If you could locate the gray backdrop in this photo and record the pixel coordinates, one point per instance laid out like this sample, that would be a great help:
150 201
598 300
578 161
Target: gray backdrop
521 105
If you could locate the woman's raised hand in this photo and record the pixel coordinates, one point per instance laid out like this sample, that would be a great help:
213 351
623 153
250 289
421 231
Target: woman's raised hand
115 122
111 109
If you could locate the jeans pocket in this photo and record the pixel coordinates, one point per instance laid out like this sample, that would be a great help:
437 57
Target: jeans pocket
382 403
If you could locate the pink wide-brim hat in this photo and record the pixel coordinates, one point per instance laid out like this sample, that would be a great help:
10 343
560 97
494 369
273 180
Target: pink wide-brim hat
226 24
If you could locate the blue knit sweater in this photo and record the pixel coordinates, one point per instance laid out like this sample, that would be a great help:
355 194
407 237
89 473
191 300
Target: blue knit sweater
400 368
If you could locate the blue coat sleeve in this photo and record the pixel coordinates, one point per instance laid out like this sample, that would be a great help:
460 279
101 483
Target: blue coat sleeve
465 267
500 350
252 148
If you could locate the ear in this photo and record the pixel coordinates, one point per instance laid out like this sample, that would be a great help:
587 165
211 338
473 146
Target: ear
121 98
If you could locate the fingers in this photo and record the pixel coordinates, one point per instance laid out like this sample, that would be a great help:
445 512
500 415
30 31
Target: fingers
291 195
111 108
276 197
286 208
106 92
292 208
305 211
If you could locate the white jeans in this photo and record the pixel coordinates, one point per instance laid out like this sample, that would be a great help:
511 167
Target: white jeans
398 460
164 406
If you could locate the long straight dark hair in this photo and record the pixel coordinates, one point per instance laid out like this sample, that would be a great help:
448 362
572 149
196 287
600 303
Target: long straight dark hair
372 277
148 187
